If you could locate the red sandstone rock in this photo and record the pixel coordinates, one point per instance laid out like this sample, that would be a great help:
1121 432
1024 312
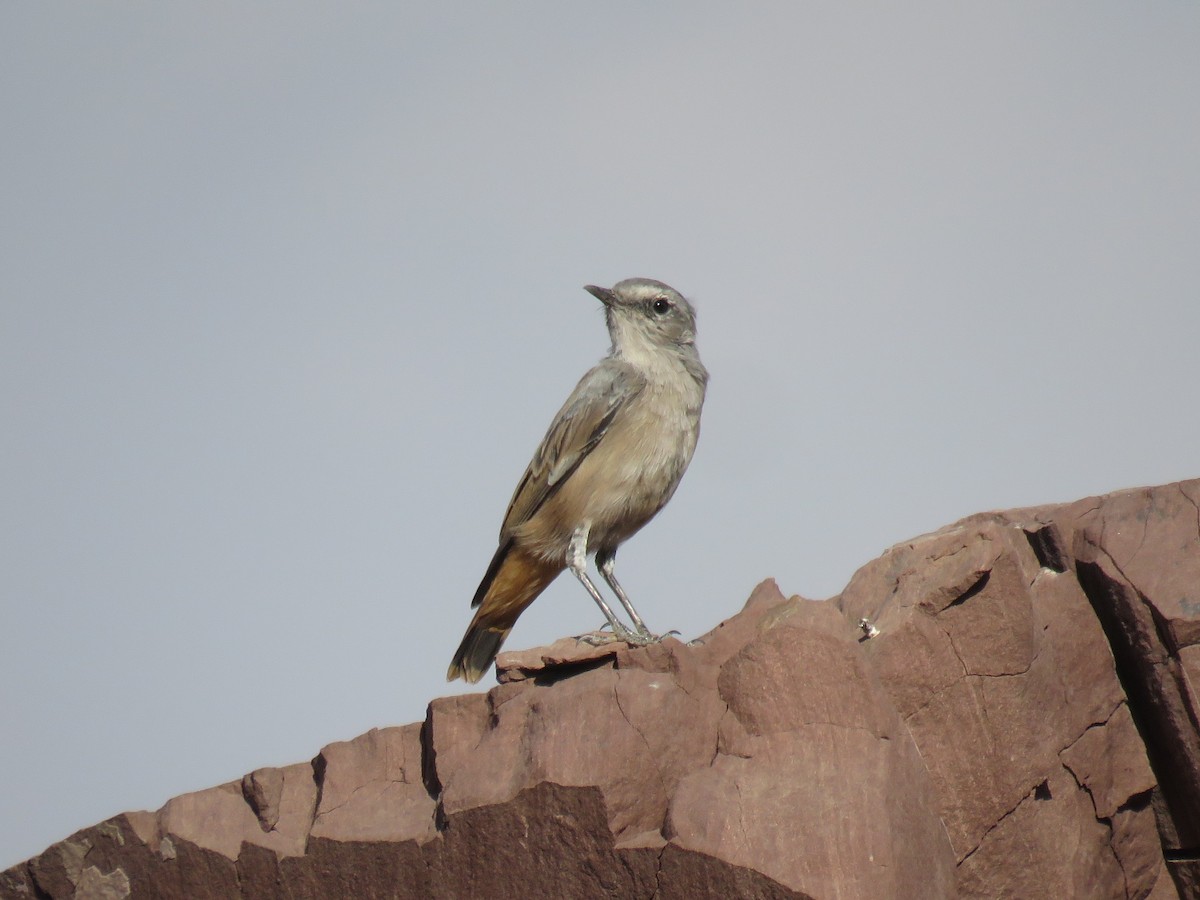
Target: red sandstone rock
1017 717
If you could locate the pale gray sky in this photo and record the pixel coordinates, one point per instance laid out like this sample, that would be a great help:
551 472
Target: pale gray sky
291 291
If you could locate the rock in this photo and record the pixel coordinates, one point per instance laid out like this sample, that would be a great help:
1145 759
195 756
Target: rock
1005 707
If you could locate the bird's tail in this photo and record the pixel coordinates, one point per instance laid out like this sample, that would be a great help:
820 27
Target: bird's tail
513 581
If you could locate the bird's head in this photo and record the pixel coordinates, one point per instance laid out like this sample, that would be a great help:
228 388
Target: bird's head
644 314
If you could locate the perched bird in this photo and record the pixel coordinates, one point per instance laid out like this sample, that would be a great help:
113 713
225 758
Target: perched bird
610 461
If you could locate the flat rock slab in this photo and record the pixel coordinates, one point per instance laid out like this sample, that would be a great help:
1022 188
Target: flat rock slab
565 653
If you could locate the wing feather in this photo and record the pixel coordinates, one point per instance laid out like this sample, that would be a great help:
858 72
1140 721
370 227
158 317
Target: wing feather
576 431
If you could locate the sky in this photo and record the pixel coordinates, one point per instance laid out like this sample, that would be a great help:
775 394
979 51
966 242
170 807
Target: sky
290 293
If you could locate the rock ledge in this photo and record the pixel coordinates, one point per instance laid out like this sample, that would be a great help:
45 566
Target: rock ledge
1005 707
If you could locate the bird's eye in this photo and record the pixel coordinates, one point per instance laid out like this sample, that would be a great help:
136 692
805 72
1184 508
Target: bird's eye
661 305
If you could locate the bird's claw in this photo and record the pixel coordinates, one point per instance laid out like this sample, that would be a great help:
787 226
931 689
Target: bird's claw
639 638
599 638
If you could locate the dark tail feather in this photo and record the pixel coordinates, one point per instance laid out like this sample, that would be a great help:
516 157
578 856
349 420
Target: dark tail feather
493 570
512 581
476 653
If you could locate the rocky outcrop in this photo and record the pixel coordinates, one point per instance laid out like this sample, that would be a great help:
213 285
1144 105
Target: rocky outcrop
1006 707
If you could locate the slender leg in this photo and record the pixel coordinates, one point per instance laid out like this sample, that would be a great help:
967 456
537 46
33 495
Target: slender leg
607 563
577 563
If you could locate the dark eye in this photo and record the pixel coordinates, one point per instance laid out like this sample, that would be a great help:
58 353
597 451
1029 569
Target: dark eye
660 305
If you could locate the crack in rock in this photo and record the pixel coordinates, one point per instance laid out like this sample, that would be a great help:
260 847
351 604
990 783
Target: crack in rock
1151 680
1032 795
1103 820
662 781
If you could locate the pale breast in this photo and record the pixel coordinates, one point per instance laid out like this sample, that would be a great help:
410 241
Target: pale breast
627 478
638 466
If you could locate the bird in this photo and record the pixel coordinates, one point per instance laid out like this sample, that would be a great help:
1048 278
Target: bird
610 460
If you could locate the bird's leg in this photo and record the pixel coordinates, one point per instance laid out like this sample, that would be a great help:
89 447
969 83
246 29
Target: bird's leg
607 563
577 563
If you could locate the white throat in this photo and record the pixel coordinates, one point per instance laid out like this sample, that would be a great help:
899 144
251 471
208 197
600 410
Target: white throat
657 362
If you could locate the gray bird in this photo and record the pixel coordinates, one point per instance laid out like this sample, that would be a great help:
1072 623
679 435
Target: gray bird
611 460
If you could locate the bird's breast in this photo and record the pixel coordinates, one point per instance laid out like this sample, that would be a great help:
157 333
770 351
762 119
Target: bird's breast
638 465
628 477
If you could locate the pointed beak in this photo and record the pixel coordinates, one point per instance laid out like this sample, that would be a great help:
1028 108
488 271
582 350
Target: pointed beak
604 295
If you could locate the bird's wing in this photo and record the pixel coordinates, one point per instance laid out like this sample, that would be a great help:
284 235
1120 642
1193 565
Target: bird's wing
579 426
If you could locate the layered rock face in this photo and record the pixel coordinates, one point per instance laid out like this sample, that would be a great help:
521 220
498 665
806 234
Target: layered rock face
1005 708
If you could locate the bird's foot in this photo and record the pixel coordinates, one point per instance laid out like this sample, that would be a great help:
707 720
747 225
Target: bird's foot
599 638
610 633
639 638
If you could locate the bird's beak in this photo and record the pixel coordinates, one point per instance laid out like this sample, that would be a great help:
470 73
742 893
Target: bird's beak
604 295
